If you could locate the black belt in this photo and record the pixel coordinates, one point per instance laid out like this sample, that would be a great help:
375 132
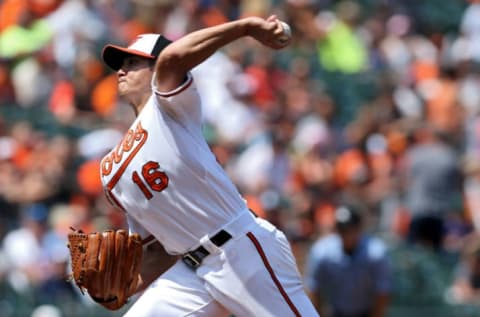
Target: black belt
194 258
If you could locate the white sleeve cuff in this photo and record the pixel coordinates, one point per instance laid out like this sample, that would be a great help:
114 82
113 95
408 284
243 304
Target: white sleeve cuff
173 92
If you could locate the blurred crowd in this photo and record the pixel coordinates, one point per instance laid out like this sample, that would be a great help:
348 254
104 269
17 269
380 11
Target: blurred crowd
376 104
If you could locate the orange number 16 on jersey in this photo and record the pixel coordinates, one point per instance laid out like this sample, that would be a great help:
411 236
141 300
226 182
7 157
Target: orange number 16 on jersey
153 177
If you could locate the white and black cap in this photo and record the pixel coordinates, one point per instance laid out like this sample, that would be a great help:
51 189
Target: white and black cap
347 216
145 45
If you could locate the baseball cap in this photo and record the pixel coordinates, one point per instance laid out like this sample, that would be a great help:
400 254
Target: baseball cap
145 45
347 217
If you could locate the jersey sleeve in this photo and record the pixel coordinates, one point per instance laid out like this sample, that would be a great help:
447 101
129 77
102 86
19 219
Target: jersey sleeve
383 276
377 252
182 103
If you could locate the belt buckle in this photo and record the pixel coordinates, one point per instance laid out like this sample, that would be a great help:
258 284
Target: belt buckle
190 260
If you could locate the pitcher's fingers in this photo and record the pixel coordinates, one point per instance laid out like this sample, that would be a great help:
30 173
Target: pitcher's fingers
272 18
278 28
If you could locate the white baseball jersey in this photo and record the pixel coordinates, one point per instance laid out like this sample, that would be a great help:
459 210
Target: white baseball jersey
165 175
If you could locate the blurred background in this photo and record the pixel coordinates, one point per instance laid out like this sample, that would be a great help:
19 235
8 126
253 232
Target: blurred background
376 104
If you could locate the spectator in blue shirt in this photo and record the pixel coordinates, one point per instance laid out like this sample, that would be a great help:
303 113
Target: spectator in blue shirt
347 272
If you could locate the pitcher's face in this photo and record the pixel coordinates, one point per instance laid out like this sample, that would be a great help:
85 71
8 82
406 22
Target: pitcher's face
134 76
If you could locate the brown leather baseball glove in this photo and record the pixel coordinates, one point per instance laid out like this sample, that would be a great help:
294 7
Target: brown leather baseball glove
106 264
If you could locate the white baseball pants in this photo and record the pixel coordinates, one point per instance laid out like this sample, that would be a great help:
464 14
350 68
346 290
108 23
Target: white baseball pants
252 274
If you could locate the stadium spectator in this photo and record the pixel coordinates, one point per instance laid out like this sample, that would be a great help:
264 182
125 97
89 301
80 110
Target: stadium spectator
347 271
433 185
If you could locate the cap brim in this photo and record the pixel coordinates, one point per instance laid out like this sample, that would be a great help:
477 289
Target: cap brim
114 55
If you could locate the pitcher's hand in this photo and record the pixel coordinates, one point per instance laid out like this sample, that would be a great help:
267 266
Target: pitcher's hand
268 31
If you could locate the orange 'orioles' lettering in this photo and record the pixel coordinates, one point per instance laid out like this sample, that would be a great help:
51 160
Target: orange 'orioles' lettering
131 144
